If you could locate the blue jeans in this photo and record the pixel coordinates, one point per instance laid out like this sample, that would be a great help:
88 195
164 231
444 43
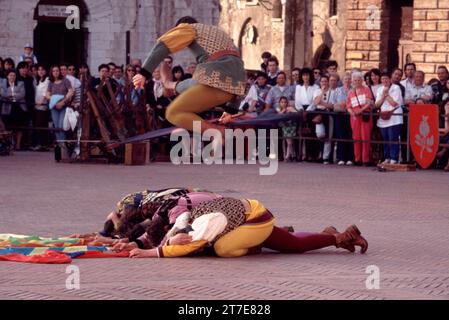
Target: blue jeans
391 134
345 150
58 121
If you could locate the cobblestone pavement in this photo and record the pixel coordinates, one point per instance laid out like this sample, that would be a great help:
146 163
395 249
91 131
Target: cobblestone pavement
405 217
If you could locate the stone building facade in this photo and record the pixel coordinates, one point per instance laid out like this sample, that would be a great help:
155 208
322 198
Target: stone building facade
361 34
357 33
110 29
401 31
299 32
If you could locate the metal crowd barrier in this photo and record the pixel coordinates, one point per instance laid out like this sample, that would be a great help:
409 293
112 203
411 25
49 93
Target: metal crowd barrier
405 115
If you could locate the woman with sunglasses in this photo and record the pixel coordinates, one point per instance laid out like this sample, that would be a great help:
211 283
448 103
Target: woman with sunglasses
135 111
317 75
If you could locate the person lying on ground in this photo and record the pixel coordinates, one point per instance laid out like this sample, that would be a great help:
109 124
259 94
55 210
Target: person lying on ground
166 212
228 227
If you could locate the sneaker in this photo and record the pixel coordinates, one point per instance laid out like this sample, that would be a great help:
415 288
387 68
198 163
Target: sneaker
349 163
326 162
387 161
341 163
393 162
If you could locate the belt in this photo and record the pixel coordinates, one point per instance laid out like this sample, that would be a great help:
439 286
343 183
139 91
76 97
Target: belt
222 53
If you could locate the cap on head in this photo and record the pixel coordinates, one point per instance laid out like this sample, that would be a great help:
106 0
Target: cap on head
28 46
186 19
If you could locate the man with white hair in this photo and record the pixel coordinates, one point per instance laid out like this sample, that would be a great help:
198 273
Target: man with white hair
419 92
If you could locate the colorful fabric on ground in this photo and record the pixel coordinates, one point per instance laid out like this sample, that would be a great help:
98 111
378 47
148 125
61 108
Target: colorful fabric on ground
33 249
41 250
57 257
19 241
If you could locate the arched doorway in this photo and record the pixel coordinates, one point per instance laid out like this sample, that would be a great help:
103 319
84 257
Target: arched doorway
321 57
53 41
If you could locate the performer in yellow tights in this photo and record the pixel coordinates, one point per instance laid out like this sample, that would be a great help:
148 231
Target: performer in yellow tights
219 76
237 227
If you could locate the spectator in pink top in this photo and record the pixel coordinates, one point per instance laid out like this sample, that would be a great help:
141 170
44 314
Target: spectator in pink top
359 103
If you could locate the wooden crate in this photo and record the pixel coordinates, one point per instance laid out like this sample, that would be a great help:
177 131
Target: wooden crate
137 154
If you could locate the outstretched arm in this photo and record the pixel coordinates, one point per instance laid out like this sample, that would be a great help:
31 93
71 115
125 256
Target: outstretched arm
170 251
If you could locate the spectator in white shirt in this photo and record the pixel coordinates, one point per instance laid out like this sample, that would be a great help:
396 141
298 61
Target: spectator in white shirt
389 100
324 100
254 102
65 73
410 70
345 150
332 69
278 91
303 99
317 75
41 110
296 77
374 81
305 90
273 70
419 92
28 53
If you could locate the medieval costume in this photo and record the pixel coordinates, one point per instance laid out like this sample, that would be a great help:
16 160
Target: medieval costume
234 228
219 76
136 210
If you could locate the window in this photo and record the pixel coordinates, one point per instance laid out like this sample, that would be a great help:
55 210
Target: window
333 8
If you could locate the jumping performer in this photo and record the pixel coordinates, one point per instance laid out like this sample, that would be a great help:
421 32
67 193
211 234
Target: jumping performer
219 77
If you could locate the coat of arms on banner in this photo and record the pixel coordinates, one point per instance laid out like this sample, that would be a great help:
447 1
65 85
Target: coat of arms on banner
424 137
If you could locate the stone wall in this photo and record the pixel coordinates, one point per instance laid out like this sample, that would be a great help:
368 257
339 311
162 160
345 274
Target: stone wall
107 23
366 43
293 38
16 26
327 29
253 30
430 35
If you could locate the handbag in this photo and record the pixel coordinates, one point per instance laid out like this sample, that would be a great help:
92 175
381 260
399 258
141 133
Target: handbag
70 120
386 115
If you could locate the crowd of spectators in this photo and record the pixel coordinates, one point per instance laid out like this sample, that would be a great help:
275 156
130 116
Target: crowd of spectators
363 107
34 99
356 106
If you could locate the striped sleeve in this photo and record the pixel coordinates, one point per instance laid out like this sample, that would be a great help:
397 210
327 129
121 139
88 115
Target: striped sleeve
172 41
180 250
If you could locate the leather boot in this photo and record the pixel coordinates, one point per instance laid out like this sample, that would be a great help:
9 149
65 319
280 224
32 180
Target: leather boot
352 236
334 232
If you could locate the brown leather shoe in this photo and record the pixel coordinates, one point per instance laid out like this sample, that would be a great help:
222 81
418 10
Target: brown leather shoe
334 232
352 236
